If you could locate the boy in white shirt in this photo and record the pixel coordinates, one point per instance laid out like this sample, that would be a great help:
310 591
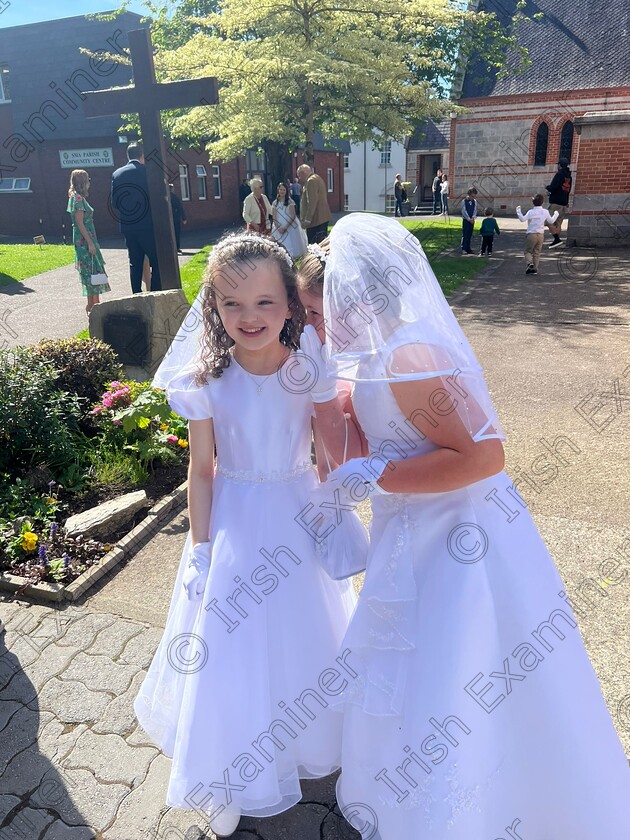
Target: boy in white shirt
536 219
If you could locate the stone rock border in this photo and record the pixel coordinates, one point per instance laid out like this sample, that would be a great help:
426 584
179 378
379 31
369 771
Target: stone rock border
125 547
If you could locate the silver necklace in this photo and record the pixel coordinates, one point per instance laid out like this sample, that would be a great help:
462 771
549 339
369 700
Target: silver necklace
259 385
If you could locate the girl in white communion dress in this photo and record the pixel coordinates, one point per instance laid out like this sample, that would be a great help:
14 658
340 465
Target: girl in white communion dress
239 690
476 714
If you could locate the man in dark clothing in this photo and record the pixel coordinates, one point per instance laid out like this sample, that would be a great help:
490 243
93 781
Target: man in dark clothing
130 203
559 190
398 191
179 216
437 193
243 191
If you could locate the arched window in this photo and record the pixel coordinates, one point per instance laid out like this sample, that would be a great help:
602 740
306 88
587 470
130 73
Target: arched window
566 141
542 141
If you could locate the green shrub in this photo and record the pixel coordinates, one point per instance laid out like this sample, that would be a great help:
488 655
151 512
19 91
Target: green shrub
84 366
37 420
117 469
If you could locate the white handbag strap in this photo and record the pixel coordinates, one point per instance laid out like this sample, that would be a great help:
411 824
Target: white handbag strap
345 445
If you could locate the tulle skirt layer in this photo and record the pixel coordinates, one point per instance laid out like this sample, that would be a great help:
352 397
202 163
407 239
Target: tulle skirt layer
239 692
475 711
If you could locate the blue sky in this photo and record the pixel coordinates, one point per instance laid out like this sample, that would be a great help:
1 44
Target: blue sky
31 11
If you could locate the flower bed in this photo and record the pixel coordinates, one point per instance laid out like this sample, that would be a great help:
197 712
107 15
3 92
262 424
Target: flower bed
62 454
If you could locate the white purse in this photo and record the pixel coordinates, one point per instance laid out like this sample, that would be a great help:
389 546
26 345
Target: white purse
343 551
97 279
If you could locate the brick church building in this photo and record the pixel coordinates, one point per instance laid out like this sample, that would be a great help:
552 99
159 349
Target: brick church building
569 102
44 135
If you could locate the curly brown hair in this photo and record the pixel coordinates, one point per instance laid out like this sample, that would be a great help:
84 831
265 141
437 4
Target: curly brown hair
310 276
230 252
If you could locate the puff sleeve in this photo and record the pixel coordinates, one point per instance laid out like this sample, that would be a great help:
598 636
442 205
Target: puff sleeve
188 399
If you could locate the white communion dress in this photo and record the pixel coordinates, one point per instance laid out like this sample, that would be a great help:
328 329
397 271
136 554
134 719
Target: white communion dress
294 238
240 690
476 714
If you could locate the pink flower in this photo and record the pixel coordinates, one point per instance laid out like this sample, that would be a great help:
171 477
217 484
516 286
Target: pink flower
115 384
117 422
172 438
108 400
97 409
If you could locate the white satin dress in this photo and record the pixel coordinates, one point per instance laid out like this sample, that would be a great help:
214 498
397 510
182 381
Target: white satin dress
239 692
476 713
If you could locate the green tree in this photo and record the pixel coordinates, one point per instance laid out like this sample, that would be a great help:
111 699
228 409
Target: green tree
356 69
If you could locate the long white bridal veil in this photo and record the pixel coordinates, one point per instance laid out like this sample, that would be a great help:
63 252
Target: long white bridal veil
387 320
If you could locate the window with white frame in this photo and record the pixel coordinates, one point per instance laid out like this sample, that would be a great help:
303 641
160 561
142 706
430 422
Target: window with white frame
390 203
184 182
330 178
216 181
5 92
346 201
346 161
386 153
202 191
15 184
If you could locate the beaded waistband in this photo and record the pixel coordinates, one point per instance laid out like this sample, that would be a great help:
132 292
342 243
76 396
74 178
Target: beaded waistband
255 477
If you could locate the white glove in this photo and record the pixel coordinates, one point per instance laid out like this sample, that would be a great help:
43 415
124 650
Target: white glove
324 387
349 485
196 572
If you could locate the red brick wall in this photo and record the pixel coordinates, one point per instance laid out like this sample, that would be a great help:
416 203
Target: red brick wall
322 162
604 166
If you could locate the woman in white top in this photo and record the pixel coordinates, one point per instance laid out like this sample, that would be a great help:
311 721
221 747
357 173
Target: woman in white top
257 209
444 192
286 229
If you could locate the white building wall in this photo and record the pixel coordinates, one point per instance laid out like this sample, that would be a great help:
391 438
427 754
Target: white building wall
370 176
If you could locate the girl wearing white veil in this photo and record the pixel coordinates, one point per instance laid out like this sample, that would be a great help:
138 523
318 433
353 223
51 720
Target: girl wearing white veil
475 713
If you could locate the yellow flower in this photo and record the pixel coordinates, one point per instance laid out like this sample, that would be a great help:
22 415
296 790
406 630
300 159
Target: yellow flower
183 443
163 427
29 540
50 500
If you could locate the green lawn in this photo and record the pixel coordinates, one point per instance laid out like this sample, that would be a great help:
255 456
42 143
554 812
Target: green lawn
19 262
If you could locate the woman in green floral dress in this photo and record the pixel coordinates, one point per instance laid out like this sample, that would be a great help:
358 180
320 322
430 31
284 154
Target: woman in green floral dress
88 257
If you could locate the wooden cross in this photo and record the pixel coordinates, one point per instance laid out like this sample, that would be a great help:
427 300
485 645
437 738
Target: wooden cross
147 98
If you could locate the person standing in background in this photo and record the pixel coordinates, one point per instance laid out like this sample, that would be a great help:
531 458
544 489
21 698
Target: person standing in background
444 193
469 214
437 193
315 213
88 258
179 216
243 191
559 190
398 191
130 203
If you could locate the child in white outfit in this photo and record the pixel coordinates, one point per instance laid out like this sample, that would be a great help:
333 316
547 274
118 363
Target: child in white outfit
536 219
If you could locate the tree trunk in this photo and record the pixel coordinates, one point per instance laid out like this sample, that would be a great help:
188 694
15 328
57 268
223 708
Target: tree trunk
309 155
278 165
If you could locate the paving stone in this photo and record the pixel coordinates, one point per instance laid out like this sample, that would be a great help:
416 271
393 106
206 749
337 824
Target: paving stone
7 803
28 822
110 758
8 610
22 616
50 662
7 709
139 738
20 733
24 772
303 821
99 673
140 813
89 802
56 739
71 701
119 717
83 630
112 640
139 651
60 831
14 684
179 824
23 649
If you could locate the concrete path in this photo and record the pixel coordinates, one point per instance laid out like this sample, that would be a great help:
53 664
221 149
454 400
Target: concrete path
556 351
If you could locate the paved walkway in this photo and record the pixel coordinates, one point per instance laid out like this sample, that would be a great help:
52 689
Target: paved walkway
51 304
556 349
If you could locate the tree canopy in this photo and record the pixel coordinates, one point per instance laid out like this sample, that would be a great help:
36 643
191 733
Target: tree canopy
355 69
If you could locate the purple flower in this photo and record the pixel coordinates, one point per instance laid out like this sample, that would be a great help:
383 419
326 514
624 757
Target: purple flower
42 555
51 484
66 560
53 530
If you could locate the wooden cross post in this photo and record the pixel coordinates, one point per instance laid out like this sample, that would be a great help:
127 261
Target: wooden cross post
147 98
